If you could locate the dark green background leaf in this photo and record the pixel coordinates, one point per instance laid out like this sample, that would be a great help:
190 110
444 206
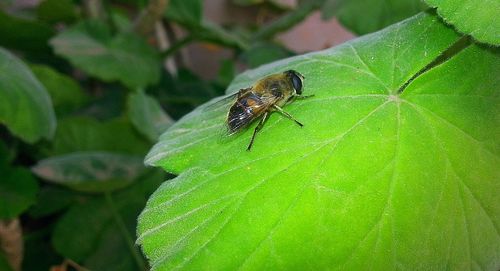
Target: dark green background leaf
86 134
52 199
18 190
4 264
25 105
91 171
90 230
22 34
186 12
38 252
363 17
147 115
227 72
264 53
66 94
125 57
179 95
54 11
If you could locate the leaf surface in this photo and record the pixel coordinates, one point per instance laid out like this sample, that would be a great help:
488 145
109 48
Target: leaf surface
123 57
22 34
54 11
186 12
25 105
18 190
146 114
51 200
478 18
4 264
375 179
90 171
361 16
66 94
76 134
104 225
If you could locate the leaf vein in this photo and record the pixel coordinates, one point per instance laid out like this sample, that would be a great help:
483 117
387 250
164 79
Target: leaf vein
340 138
448 123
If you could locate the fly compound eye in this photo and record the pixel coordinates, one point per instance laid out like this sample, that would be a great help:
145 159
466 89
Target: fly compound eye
297 83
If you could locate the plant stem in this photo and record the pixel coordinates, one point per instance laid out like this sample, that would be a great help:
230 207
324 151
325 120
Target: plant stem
177 45
11 242
125 233
94 9
145 23
288 20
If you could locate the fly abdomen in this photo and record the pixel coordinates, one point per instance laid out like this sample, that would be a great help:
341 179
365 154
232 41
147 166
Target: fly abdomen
242 112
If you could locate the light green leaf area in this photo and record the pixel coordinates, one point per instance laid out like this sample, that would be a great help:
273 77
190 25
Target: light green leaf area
98 233
361 16
376 179
90 171
124 57
147 115
66 94
478 18
25 105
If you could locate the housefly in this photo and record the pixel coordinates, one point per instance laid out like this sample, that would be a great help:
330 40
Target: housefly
267 95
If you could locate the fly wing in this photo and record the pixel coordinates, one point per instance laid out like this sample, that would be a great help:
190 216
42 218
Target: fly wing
246 109
220 103
224 102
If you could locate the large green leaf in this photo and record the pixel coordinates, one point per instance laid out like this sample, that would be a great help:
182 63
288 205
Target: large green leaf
25 105
125 57
478 18
90 171
98 232
361 16
377 178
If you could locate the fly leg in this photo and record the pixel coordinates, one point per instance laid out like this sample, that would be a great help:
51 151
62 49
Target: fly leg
300 97
257 129
279 109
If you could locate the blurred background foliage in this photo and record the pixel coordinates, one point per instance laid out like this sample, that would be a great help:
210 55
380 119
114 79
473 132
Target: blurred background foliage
86 87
